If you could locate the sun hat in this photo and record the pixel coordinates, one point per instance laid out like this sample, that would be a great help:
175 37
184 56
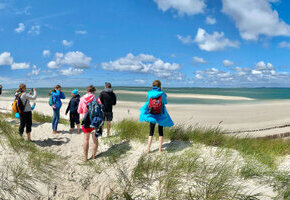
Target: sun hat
75 92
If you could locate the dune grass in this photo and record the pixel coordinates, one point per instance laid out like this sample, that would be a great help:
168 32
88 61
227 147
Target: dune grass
264 150
39 117
36 166
184 176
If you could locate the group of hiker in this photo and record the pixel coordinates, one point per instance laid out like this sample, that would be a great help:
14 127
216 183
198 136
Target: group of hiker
94 111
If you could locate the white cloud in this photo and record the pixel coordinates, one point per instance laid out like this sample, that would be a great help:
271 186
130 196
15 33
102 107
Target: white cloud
185 40
35 71
207 42
5 58
46 53
188 7
284 45
67 43
52 65
81 32
199 60
22 65
214 42
210 20
20 28
140 81
144 64
71 71
260 75
255 18
35 30
228 63
75 59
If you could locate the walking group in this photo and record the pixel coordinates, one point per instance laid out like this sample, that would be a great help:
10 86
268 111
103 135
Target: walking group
94 110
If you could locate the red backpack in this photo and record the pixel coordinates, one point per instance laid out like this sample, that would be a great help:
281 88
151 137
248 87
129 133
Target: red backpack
155 105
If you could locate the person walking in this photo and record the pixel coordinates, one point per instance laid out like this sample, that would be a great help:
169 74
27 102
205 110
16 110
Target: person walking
108 99
26 115
154 112
57 95
0 89
86 123
72 108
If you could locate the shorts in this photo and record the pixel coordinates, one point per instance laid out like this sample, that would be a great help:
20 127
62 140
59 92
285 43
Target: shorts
87 130
108 116
98 133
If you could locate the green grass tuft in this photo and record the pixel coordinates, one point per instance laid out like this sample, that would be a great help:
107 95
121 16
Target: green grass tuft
39 117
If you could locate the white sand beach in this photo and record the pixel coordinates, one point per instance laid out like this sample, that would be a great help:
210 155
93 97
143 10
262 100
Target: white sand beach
76 179
230 117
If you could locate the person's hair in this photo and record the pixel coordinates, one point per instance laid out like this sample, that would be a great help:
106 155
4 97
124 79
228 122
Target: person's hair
156 83
91 89
54 89
21 87
108 85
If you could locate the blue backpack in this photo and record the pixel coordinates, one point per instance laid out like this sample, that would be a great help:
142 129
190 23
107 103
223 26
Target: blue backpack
96 115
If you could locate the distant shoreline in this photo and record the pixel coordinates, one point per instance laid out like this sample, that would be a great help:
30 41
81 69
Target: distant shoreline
191 96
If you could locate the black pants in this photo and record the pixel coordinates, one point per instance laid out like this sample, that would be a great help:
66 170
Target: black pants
25 121
74 118
152 129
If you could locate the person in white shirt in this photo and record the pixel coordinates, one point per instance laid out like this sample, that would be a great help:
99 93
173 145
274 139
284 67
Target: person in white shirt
26 115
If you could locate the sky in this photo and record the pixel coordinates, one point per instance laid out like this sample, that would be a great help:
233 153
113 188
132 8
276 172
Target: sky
184 43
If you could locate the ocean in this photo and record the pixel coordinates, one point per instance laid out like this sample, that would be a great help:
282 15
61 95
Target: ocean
259 94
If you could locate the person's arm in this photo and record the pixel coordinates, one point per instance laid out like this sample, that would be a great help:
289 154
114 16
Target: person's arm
31 97
114 99
56 93
62 96
80 107
101 97
68 106
164 98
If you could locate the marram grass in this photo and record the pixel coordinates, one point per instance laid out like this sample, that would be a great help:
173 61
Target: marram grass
264 150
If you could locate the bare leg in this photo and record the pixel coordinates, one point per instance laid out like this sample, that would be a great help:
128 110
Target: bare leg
28 136
71 130
108 128
79 128
86 145
160 143
95 146
149 143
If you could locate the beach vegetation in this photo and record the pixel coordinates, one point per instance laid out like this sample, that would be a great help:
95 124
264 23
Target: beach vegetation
35 165
39 117
265 150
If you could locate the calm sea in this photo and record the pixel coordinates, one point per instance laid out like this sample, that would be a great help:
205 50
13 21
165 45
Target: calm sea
259 94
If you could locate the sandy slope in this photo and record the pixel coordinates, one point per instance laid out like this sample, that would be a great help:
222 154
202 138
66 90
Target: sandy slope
81 181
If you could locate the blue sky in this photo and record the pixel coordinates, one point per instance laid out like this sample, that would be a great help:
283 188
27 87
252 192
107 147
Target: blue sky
192 43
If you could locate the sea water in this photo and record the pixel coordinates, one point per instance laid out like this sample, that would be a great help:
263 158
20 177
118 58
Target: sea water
258 94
